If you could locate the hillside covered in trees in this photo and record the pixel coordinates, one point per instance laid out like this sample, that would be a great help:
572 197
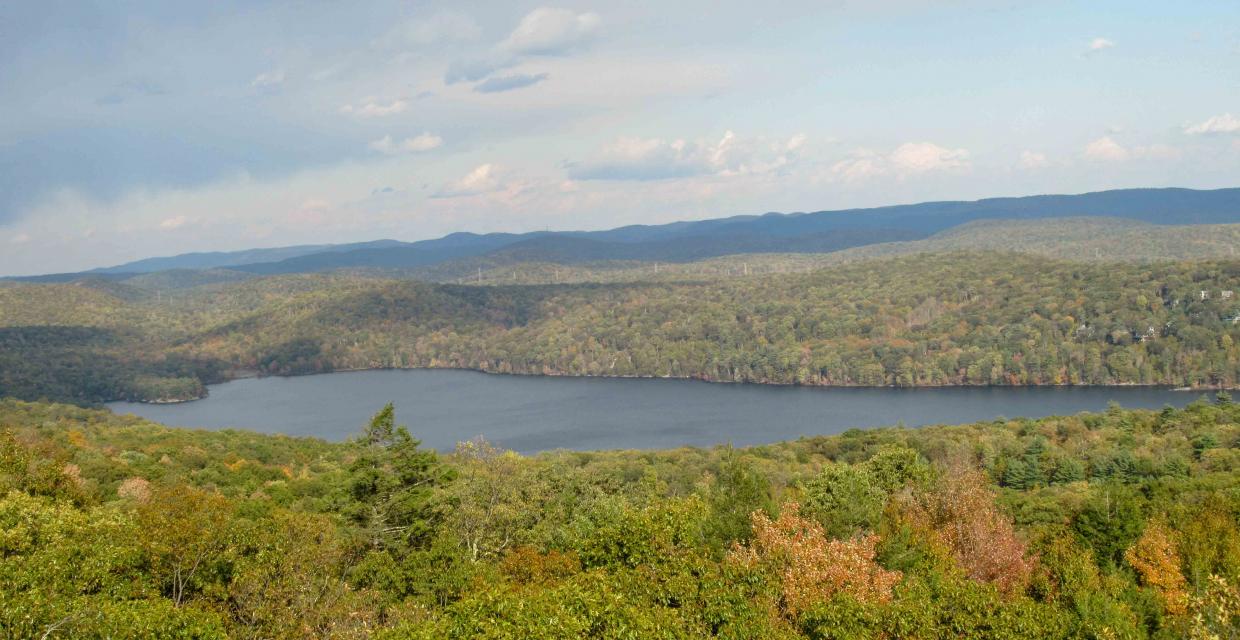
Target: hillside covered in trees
1091 239
1112 525
937 319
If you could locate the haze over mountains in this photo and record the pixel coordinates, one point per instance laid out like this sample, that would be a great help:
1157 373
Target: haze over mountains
818 232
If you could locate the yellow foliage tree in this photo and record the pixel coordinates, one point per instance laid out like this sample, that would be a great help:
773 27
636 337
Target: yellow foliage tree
1156 557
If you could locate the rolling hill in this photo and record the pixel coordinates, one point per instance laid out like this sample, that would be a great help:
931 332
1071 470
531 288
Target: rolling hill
1096 239
818 232
951 318
219 259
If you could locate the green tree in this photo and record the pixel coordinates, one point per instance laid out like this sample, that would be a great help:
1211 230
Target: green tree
493 500
1067 470
844 499
1110 521
391 485
185 534
736 491
1021 473
34 472
894 467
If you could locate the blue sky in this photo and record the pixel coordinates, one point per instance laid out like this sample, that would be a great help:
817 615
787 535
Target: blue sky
133 129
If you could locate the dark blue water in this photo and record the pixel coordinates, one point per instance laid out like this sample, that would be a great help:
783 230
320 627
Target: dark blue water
528 414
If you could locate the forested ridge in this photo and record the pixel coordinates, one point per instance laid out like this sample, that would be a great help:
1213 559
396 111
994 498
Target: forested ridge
922 320
1184 210
1113 525
1093 239
1090 239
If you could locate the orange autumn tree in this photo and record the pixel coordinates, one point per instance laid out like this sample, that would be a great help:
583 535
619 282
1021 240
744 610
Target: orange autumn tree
1156 558
526 565
961 516
812 568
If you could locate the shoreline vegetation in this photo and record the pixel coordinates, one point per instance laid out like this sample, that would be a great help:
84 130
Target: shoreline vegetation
252 375
976 319
1120 523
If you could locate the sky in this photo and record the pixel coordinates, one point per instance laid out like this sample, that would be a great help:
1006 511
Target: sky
130 129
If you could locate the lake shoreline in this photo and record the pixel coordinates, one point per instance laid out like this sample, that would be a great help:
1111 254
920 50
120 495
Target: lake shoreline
249 374
535 413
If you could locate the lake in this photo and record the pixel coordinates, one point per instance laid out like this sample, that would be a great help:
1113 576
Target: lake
533 413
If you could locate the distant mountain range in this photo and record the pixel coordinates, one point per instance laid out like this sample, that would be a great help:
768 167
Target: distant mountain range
217 259
817 232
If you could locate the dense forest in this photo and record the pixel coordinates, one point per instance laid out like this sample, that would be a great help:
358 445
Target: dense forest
1113 525
921 320
1097 239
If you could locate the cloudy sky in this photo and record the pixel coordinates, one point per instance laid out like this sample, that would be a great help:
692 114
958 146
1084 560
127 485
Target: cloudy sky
131 129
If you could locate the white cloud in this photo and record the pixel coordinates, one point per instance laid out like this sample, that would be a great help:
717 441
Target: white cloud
483 179
642 159
657 159
373 109
548 31
734 155
1225 123
1099 44
920 157
907 160
422 142
1033 160
863 165
268 79
1106 149
21 238
175 222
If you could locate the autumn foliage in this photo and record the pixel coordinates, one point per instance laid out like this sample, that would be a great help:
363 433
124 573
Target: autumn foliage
812 568
130 529
960 515
526 565
1156 558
